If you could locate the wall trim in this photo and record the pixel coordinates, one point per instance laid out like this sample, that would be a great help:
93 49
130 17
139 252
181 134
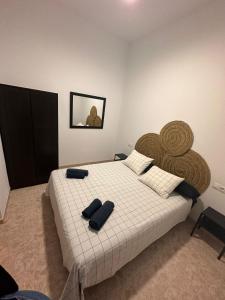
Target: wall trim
85 163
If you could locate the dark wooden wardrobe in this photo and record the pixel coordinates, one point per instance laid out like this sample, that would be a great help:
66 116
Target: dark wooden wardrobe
29 132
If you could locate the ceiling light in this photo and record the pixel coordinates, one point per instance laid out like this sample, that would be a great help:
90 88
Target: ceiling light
130 1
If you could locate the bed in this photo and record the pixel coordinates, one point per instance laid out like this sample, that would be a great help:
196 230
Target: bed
140 216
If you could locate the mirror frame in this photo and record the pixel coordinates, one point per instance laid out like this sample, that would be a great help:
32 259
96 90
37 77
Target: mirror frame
86 96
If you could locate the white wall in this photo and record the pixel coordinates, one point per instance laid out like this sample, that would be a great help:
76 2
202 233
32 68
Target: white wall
4 183
179 74
46 46
176 73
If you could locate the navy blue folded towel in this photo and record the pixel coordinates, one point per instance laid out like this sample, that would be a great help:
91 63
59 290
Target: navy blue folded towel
101 215
76 173
91 209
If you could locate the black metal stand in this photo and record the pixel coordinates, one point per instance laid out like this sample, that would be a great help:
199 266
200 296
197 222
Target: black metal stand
198 223
217 225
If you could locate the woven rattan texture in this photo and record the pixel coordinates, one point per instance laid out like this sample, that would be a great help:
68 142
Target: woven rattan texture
149 145
176 138
171 152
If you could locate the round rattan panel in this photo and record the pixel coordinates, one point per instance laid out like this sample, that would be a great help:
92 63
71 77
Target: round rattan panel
176 138
90 120
98 122
149 145
190 166
93 111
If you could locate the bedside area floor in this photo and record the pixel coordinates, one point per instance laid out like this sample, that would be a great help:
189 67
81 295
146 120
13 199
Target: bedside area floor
176 266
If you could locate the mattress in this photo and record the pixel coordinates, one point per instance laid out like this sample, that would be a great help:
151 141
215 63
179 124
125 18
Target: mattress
139 218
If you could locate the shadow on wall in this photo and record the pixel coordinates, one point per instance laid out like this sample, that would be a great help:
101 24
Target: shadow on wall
197 209
57 274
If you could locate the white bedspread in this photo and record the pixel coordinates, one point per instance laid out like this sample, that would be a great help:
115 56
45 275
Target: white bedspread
139 218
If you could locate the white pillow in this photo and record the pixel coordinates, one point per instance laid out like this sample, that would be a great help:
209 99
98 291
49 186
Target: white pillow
162 182
137 162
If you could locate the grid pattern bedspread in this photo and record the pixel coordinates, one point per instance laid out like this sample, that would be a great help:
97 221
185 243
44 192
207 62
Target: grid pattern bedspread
139 218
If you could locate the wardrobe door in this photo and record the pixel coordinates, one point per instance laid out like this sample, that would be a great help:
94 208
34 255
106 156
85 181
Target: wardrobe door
44 107
17 136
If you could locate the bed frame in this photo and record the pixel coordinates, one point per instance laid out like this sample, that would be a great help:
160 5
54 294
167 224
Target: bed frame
171 150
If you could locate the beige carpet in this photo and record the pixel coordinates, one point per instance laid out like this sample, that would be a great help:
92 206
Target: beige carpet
175 267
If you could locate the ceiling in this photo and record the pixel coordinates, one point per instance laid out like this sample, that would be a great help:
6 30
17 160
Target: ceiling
132 19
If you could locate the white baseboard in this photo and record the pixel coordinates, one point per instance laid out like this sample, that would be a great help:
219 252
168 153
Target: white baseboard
85 163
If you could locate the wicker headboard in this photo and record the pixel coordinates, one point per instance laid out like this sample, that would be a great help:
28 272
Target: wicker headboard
93 119
171 150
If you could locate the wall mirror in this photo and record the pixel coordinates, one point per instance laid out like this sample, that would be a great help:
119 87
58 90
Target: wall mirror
86 111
